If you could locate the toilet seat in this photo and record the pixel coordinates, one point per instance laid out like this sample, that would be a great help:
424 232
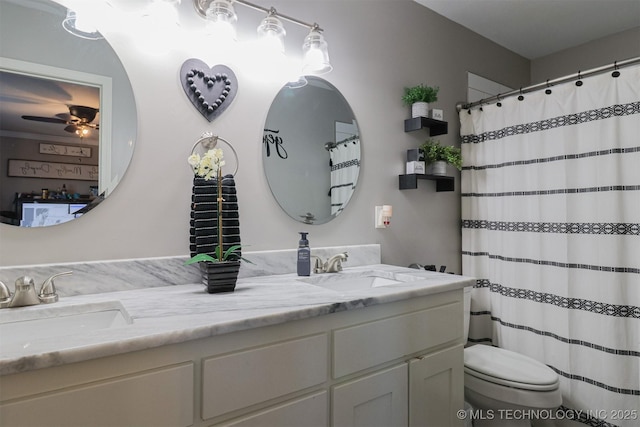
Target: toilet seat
509 369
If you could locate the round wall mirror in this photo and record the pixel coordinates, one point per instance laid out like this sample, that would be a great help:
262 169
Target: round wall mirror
311 150
68 119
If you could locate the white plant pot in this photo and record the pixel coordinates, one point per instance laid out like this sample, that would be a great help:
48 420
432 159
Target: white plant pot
420 109
439 168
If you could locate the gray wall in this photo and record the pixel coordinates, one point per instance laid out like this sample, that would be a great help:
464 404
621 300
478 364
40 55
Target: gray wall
605 51
377 48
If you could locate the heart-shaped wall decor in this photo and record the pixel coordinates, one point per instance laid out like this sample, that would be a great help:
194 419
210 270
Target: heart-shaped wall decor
210 89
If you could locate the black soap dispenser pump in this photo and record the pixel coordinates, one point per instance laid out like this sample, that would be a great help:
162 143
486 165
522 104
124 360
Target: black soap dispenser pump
304 255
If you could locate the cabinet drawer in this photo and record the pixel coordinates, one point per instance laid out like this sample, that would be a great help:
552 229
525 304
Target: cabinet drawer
157 398
242 379
370 344
311 411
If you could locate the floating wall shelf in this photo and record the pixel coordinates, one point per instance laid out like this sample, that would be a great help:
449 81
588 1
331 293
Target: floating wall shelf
436 127
410 181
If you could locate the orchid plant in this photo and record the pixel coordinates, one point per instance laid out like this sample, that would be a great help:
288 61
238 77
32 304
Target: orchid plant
208 165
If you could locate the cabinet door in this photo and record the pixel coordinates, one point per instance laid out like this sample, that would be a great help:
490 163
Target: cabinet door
436 387
378 400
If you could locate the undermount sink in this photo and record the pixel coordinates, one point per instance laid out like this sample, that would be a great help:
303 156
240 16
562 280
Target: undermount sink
19 328
357 280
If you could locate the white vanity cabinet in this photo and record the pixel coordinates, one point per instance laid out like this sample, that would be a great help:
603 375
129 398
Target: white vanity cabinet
436 388
397 363
149 398
427 341
235 381
379 399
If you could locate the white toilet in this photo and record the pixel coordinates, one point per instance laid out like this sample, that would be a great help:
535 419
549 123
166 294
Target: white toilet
506 388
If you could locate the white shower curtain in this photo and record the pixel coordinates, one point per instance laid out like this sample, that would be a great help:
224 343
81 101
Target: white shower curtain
345 166
551 230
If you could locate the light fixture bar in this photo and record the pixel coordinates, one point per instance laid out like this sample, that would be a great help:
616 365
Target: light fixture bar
202 6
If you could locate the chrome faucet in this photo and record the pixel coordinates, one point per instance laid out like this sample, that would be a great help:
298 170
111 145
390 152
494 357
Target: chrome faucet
318 265
25 292
334 264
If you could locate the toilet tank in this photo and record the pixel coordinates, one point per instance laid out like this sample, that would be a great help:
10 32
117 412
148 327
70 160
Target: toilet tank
467 309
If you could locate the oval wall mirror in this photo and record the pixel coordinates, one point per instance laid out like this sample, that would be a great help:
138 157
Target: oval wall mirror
68 119
311 150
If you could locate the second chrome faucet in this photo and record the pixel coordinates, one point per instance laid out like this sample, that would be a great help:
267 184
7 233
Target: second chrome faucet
333 264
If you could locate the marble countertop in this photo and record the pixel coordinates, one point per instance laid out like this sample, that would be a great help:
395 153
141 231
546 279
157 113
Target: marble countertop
164 315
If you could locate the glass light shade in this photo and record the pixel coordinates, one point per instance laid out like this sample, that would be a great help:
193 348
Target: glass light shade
164 12
79 26
296 84
221 19
157 28
272 32
316 54
82 131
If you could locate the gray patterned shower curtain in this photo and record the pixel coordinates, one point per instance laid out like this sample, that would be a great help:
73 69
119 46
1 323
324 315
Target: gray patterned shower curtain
551 230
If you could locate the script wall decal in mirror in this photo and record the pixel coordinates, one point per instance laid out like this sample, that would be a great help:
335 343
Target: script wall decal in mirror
311 151
68 119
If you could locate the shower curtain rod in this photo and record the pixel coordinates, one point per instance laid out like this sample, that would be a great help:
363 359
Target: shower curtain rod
579 75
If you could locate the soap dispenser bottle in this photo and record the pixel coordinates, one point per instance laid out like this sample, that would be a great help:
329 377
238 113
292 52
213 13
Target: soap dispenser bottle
304 255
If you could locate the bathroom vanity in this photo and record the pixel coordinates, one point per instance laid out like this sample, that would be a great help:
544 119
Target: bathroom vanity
279 351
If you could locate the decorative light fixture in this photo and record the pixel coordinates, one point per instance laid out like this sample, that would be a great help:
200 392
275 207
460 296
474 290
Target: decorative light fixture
163 13
272 32
158 26
78 25
316 54
221 18
82 131
220 13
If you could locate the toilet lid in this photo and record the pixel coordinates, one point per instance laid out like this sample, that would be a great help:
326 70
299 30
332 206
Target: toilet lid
508 368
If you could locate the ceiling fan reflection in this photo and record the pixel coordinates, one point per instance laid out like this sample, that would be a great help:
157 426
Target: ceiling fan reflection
78 120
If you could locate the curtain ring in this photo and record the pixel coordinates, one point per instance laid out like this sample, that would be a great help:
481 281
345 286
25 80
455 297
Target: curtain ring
579 82
499 104
210 141
615 73
521 96
548 91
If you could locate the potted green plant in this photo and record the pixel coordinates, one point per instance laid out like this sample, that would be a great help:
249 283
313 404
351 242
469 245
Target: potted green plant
438 156
419 97
219 272
231 254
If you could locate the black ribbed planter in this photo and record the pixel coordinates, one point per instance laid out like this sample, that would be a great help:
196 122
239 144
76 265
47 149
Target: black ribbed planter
204 216
204 235
220 276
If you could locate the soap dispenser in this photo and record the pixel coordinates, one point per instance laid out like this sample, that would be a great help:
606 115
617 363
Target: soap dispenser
304 255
